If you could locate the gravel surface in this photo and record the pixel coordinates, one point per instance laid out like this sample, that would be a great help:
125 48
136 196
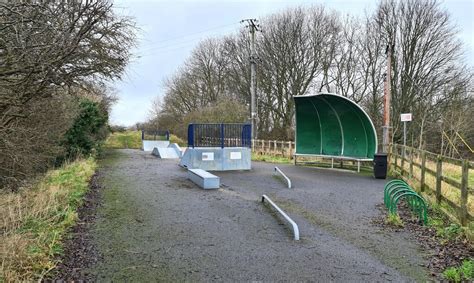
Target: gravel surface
155 224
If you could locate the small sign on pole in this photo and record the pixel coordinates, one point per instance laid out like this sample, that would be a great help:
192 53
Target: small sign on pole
405 117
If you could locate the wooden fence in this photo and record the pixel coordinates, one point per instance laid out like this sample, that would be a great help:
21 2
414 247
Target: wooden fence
277 148
445 178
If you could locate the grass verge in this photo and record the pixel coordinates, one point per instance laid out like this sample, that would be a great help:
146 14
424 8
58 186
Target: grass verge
35 221
270 158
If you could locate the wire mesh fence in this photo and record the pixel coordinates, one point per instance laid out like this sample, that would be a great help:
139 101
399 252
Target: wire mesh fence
219 135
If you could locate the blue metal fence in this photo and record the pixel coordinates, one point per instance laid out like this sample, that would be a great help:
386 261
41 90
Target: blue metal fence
219 135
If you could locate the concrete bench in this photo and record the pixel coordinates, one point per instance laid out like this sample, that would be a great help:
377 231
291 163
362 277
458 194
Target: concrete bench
204 179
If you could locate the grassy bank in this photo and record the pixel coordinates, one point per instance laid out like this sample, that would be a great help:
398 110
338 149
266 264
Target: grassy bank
35 221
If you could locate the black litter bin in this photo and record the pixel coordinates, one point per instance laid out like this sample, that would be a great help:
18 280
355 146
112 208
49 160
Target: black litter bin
380 165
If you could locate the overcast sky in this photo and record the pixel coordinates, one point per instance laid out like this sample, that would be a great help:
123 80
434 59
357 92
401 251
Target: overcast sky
169 30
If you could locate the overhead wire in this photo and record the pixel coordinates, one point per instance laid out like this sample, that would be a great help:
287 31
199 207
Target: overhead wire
158 47
195 33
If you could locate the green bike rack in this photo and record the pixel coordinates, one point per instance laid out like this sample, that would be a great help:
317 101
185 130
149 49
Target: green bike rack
420 205
398 189
397 193
392 190
389 185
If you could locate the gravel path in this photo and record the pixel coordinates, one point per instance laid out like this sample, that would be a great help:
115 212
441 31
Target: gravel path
156 225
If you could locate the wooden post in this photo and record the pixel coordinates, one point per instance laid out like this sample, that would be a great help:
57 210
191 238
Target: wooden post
423 170
464 192
439 173
289 149
411 162
389 156
275 146
293 149
395 153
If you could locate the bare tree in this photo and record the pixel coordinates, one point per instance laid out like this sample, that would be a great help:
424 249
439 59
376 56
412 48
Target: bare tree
49 51
47 45
426 60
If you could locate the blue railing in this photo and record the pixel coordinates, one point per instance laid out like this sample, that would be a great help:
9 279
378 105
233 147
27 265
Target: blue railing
156 135
219 135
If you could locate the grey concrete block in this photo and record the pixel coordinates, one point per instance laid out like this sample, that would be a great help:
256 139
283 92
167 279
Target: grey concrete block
204 179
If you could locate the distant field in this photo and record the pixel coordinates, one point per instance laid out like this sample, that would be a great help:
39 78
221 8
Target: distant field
133 139
128 139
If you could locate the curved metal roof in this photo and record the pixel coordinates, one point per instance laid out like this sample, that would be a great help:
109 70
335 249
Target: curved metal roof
333 125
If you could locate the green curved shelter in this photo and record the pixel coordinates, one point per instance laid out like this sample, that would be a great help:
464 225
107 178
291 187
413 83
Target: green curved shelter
332 125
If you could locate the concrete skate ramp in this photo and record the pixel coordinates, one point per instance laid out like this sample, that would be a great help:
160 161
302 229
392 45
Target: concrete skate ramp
177 148
149 145
217 159
165 152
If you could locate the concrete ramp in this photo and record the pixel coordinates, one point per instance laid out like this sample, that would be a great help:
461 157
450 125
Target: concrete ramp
165 153
149 145
177 148
217 159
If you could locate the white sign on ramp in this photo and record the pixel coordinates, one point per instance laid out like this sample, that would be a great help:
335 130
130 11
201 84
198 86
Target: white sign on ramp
235 155
207 156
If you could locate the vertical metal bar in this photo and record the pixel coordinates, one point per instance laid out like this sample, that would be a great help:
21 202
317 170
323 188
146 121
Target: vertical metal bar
404 137
403 160
222 135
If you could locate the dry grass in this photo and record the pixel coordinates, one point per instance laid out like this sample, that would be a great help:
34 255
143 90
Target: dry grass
449 170
35 221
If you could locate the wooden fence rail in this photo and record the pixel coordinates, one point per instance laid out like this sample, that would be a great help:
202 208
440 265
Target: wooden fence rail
449 177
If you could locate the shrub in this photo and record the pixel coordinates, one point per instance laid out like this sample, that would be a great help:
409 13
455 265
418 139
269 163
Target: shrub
452 274
88 130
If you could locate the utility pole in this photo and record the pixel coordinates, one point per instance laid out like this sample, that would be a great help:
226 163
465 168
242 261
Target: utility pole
387 98
253 27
